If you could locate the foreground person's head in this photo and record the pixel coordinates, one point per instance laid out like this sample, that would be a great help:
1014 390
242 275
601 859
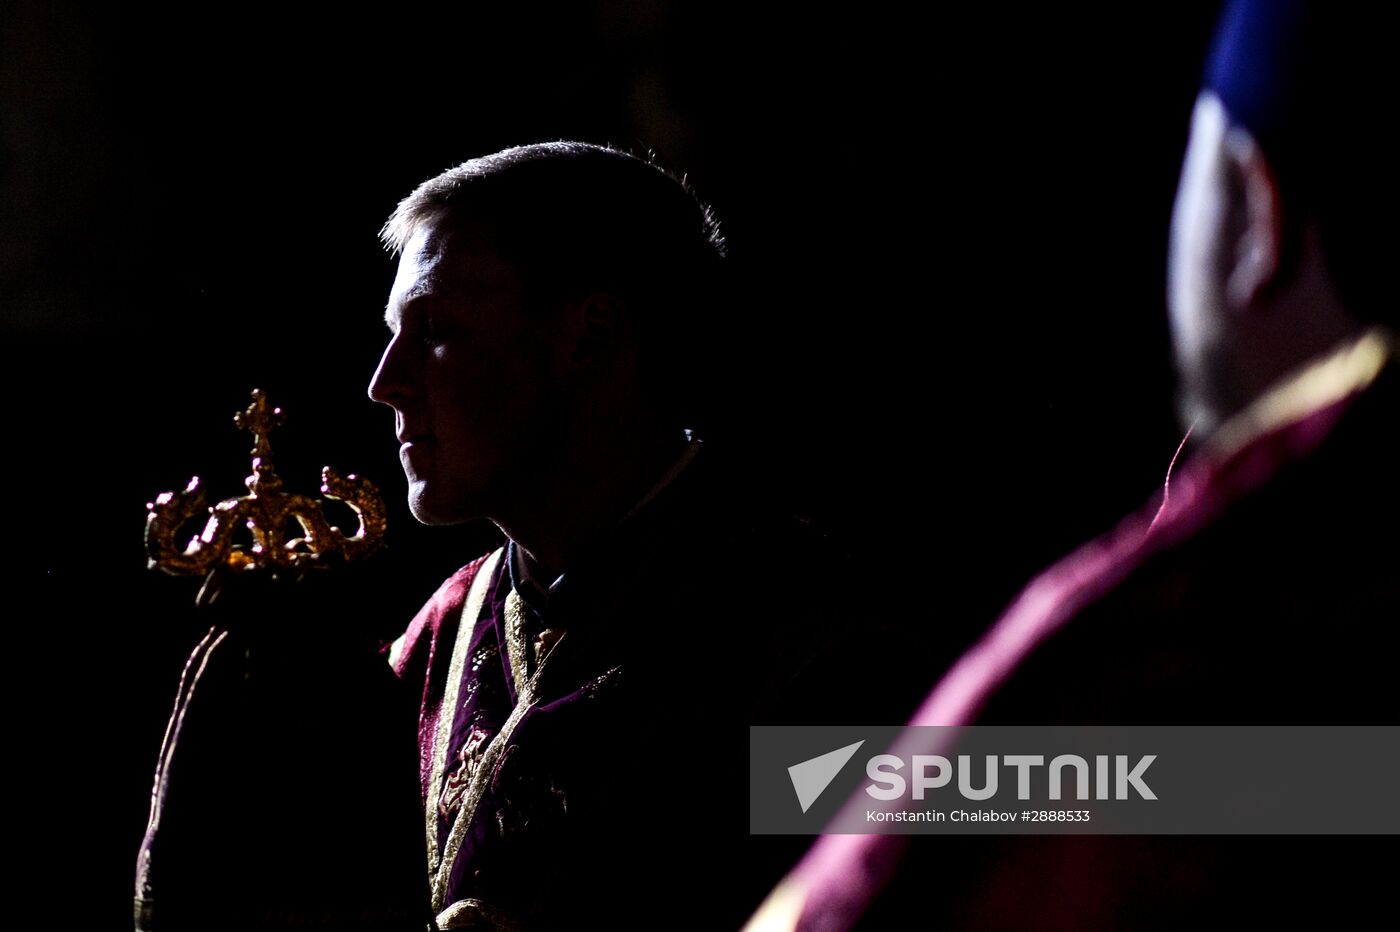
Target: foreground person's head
1286 201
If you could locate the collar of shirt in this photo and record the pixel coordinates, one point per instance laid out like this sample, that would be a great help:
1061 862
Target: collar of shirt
1345 371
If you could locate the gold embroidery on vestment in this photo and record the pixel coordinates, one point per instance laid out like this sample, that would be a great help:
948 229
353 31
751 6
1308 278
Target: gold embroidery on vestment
447 712
526 691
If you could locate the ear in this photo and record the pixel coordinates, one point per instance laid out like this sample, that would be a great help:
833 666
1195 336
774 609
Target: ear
1256 222
598 322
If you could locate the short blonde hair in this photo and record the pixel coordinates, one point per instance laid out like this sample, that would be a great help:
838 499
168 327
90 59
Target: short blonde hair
574 218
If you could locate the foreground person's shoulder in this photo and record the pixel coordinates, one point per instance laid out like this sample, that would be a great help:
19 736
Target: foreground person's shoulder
441 609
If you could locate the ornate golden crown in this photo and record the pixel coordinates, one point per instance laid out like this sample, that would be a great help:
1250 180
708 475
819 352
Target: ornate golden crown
265 512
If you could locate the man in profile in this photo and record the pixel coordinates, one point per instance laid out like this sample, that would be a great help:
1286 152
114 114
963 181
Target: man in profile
1265 588
586 688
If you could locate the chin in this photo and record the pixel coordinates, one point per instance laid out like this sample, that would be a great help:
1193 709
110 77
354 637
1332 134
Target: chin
431 515
431 509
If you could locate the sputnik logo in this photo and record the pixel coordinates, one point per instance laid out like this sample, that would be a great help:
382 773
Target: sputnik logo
811 777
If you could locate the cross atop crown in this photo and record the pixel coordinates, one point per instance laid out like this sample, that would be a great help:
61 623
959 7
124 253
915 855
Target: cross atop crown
266 514
259 419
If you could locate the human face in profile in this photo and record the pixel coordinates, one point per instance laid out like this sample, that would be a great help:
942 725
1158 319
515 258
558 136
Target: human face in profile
468 373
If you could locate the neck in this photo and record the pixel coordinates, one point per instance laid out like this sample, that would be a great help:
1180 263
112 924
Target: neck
1266 345
588 494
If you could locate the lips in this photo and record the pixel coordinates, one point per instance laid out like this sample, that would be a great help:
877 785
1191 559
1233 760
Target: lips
416 452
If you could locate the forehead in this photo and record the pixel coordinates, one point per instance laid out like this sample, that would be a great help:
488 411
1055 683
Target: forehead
442 260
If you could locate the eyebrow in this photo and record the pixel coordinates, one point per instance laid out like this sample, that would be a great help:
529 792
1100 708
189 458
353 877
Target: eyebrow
418 295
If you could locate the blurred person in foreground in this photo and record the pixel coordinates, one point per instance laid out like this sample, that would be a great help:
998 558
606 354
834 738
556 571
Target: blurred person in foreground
1265 587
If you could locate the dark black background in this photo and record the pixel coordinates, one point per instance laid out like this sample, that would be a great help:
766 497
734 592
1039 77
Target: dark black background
949 227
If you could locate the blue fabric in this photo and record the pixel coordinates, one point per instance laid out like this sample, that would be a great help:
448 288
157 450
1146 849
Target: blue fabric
1254 60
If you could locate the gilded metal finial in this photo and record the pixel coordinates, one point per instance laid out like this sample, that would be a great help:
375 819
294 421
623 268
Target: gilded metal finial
265 512
259 418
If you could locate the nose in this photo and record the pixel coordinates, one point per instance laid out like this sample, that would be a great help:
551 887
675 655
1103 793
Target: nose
391 381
